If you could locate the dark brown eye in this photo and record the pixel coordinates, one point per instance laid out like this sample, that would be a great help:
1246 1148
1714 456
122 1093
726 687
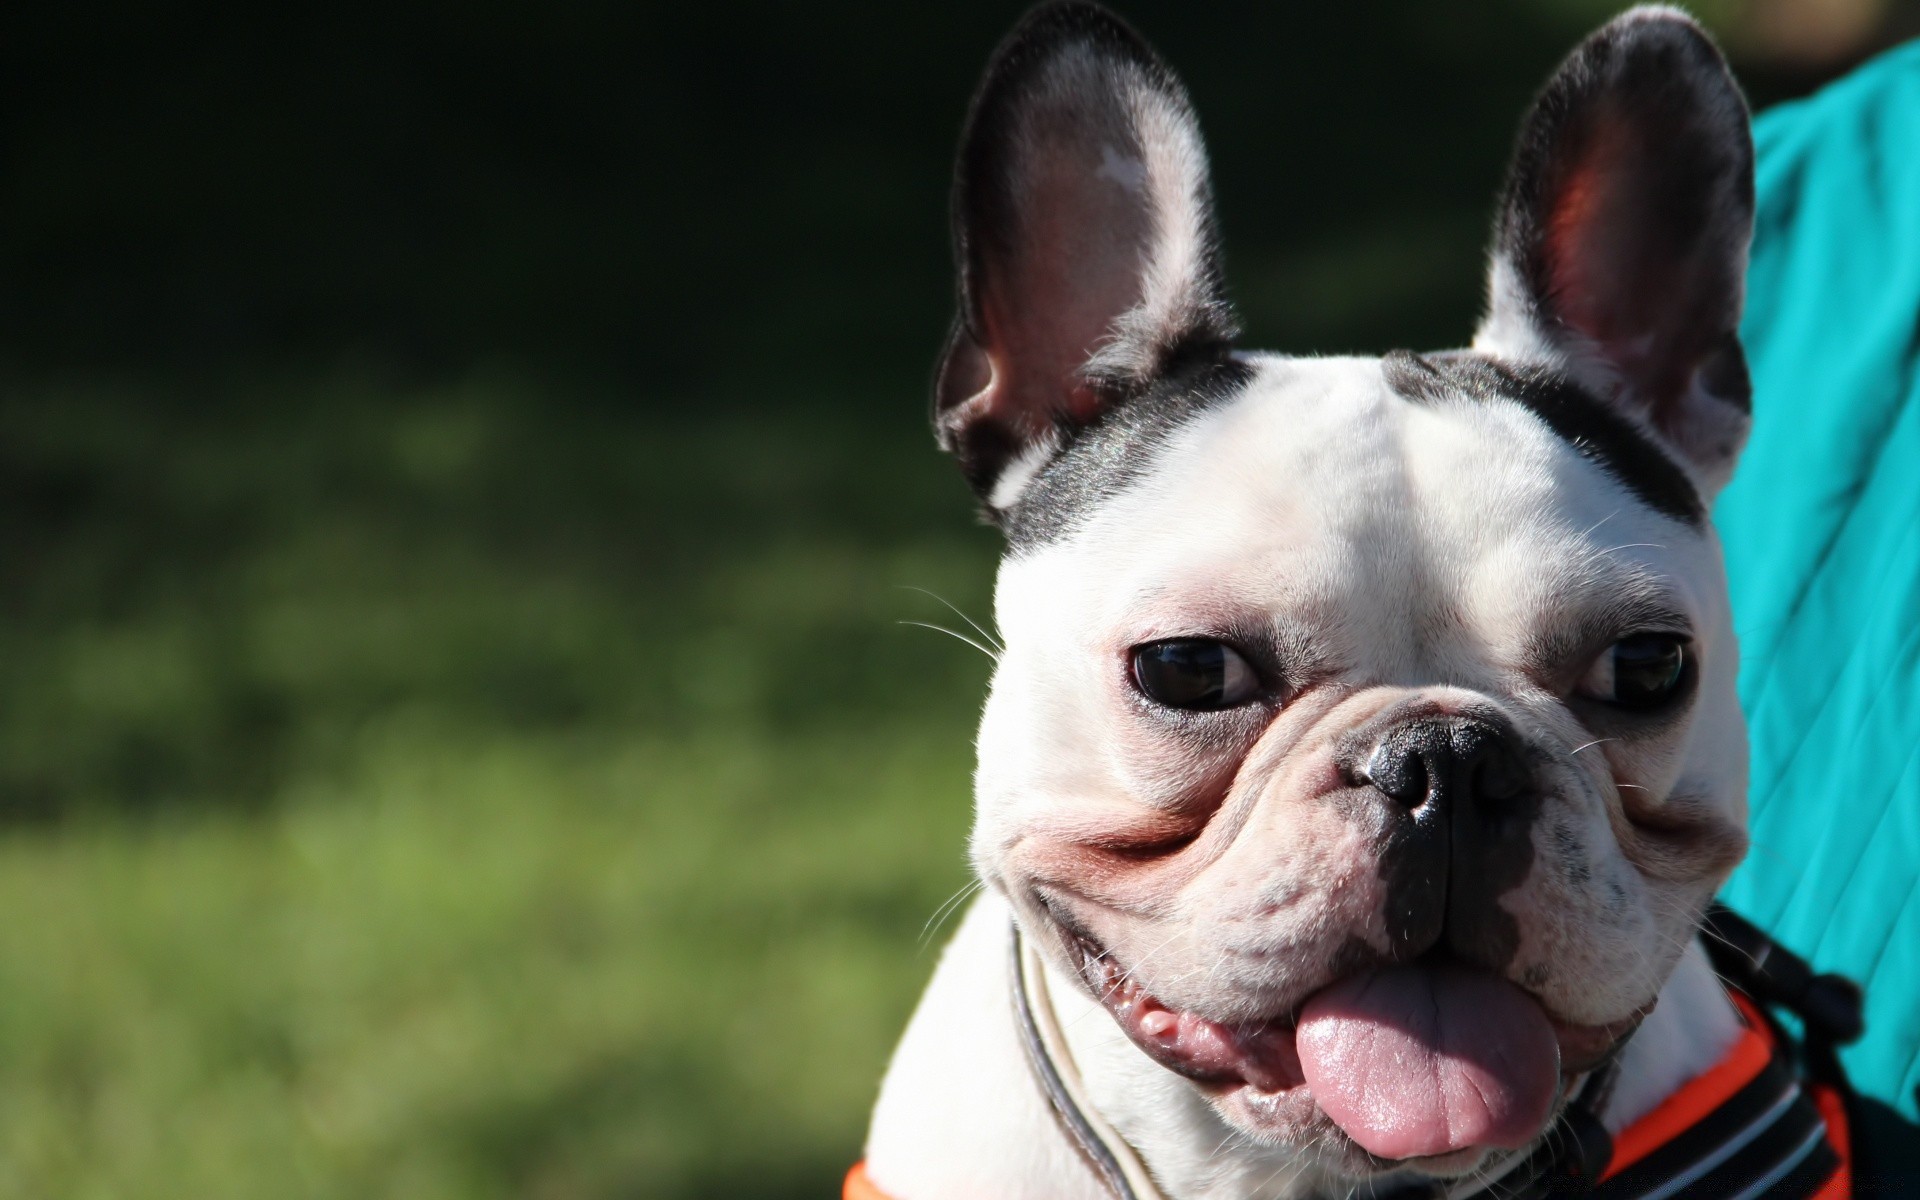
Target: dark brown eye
1194 673
1641 673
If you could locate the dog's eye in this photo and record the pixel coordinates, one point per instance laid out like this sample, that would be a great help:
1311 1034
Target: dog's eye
1194 673
1639 673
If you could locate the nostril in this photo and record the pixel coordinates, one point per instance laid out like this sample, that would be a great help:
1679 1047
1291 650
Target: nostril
1445 762
1397 774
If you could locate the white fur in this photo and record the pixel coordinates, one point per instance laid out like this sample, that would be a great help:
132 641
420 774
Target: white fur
1017 474
1174 177
1418 546
959 1115
1694 1028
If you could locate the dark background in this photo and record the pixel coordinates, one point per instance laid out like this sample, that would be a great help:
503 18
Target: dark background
466 506
695 197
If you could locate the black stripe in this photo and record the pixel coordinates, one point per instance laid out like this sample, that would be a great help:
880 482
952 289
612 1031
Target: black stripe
1785 1142
1813 1173
1595 429
1117 449
1783 1139
1709 1134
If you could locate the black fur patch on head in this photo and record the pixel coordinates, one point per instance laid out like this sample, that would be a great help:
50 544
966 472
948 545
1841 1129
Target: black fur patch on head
1593 428
1115 450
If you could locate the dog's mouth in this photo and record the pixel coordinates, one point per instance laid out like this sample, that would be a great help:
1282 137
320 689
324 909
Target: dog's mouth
1433 1060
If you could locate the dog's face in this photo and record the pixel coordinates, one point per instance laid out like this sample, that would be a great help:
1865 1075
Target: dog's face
1365 736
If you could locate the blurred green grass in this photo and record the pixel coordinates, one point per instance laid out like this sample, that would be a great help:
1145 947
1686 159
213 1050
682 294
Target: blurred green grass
466 790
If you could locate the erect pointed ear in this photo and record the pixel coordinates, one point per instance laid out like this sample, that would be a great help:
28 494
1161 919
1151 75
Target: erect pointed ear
1084 239
1620 251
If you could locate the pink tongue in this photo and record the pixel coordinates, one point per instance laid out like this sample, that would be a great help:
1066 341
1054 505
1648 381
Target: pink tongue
1426 1060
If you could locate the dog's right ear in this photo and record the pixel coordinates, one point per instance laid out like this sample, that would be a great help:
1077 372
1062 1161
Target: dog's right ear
1084 239
1620 253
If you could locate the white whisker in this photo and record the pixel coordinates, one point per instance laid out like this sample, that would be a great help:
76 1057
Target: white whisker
947 909
955 635
1597 524
1629 546
985 636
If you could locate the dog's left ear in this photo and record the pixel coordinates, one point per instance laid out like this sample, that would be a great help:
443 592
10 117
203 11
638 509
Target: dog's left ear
1083 234
1620 251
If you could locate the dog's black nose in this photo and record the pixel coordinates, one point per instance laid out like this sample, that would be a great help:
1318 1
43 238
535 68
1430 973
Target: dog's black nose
1444 761
1463 800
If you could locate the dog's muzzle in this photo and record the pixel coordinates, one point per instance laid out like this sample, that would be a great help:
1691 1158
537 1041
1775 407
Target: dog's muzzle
1459 799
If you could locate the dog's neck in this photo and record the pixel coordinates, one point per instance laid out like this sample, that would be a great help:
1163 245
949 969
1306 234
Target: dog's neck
1198 1156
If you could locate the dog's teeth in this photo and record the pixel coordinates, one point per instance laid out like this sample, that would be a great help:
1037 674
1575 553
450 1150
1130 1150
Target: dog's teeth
1159 1023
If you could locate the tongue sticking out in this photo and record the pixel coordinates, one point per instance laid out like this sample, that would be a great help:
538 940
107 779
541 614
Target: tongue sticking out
1414 1061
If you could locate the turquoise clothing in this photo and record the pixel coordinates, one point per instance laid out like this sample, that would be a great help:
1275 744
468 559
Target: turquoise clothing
1822 532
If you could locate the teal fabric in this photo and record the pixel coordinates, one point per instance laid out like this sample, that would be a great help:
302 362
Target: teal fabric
1822 531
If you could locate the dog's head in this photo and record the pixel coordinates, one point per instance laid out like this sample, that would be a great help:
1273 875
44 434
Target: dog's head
1365 735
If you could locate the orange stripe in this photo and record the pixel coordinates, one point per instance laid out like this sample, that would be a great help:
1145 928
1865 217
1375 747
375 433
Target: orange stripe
1706 1092
860 1186
1833 1110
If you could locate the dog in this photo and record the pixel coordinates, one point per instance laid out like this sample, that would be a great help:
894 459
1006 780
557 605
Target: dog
1364 751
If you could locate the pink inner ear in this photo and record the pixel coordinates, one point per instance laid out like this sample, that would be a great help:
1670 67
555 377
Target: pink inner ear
1568 269
1597 261
1074 265
1615 267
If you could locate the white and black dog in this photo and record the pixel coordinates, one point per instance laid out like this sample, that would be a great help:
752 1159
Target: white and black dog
1364 750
